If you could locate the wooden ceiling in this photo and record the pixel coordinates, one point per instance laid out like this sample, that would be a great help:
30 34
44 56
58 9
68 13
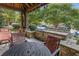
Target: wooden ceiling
22 6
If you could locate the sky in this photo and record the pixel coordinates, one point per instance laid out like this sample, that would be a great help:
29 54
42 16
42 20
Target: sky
76 5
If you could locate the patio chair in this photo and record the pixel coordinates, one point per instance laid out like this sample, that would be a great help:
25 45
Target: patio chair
17 38
4 30
52 43
5 35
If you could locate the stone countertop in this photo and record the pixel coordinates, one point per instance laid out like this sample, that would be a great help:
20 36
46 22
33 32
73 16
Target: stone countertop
71 45
29 31
55 32
60 33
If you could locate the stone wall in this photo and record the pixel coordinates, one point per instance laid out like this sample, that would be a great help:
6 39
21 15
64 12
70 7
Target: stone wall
66 51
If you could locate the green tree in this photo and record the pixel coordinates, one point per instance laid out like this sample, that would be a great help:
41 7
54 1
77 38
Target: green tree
76 24
1 18
34 17
58 13
11 16
55 14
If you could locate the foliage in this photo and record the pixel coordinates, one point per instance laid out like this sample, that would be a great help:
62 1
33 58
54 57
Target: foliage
55 14
32 27
1 18
50 14
76 24
10 16
15 26
34 17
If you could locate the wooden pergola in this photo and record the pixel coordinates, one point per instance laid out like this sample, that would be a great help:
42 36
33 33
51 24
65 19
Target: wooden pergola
24 8
46 36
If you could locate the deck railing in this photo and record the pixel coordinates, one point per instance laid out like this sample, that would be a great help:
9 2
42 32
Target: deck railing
65 50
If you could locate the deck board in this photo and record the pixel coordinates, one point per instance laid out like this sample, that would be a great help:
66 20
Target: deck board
3 48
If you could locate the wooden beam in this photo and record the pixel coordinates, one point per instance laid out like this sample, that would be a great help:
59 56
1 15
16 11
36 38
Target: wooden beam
31 4
36 5
8 6
20 6
33 7
27 5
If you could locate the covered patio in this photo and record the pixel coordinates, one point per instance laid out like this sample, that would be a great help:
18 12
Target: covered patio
49 39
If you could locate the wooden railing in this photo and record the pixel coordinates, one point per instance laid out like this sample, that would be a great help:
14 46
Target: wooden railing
49 42
42 35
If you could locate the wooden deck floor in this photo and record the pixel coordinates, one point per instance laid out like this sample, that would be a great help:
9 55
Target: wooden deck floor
3 48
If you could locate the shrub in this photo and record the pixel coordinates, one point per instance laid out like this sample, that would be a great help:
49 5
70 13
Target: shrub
32 27
16 26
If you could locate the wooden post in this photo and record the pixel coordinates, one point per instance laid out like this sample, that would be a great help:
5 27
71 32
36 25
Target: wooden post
27 23
23 20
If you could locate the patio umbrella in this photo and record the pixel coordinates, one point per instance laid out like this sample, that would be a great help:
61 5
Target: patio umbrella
28 49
